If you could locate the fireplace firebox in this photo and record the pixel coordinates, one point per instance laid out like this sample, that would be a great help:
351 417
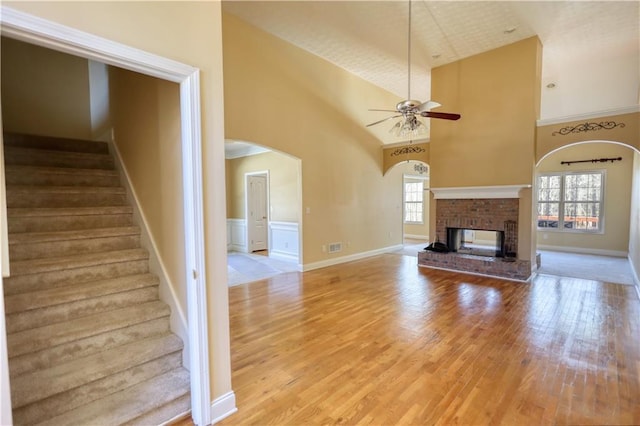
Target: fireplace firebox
479 242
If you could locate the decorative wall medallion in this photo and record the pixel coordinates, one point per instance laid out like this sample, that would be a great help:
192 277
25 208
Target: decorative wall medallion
420 168
587 127
407 150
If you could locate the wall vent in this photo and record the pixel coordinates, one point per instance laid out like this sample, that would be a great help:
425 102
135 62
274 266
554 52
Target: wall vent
335 247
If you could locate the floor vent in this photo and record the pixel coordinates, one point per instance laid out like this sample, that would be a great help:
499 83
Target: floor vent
335 247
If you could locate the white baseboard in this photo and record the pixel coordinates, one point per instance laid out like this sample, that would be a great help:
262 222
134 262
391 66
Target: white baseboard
223 406
581 250
285 257
417 237
349 258
636 278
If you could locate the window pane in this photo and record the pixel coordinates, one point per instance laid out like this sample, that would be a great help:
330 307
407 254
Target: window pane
413 197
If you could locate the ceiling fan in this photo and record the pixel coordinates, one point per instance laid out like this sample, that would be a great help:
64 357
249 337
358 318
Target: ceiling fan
410 109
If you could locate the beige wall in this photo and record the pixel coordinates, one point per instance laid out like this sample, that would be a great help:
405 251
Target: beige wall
188 32
44 92
311 109
634 228
284 185
145 113
498 95
617 196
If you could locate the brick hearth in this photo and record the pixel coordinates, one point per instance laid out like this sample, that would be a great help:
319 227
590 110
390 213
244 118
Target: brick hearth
480 214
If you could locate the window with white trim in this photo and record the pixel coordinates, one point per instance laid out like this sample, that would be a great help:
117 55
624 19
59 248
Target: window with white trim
571 201
414 202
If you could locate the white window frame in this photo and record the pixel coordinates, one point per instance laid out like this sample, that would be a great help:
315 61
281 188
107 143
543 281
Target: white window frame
408 179
563 200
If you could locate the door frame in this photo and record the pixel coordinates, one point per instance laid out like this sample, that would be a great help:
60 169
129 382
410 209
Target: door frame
51 35
264 173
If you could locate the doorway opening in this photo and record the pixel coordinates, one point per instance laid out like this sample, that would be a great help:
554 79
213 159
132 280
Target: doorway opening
257 214
569 197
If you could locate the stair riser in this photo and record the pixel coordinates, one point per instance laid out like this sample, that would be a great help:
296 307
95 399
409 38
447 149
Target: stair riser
61 179
17 199
44 281
69 247
68 223
30 157
55 144
87 346
68 311
73 398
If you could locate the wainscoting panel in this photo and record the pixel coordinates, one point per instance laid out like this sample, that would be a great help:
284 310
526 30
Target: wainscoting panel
284 241
237 235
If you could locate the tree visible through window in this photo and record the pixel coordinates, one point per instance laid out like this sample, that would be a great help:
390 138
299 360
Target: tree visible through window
571 201
414 202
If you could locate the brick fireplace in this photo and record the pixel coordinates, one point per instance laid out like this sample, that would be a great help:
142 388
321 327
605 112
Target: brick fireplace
482 211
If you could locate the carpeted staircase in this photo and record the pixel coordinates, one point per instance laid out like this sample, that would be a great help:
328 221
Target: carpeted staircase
88 339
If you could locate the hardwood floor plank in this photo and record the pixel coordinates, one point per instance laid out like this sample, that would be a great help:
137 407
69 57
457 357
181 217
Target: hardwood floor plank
381 341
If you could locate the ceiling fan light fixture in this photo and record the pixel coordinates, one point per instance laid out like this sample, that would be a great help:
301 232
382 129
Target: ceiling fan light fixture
409 126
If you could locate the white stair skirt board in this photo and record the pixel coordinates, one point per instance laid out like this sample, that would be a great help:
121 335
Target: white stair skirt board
178 320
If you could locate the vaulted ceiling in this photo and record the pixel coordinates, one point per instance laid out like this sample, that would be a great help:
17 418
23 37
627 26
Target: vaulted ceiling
370 38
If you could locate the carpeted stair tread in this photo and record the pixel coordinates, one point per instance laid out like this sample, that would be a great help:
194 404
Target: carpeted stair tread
60 176
124 407
36 266
173 412
58 404
64 196
55 296
67 211
48 357
32 245
89 341
35 318
42 384
63 277
38 219
41 338
54 143
56 158
76 234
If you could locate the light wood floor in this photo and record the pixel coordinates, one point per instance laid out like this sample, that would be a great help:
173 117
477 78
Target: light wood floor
380 341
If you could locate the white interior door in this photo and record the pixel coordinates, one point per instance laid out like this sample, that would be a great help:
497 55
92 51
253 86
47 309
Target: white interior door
257 212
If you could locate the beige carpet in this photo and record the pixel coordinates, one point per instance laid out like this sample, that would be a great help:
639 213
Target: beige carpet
587 266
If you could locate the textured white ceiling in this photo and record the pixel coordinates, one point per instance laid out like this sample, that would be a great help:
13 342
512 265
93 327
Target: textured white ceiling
369 38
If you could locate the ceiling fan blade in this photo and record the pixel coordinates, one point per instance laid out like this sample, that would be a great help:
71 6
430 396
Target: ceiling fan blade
384 110
428 105
443 115
384 119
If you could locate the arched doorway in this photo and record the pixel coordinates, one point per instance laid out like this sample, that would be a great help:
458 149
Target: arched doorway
585 204
280 248
413 183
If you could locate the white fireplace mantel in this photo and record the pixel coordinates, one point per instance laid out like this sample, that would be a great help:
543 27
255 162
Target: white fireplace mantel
478 192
